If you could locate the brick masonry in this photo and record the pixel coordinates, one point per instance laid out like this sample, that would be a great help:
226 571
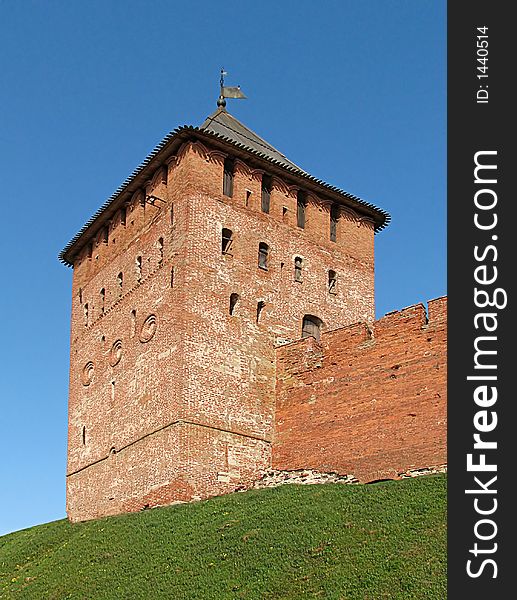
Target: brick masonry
172 398
367 401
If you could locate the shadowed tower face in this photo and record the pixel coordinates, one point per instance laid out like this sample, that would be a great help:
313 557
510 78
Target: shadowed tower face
215 251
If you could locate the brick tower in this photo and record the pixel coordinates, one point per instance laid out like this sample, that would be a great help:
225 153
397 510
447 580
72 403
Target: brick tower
214 251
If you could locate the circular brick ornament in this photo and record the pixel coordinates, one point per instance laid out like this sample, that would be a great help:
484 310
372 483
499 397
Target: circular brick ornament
115 353
148 329
87 374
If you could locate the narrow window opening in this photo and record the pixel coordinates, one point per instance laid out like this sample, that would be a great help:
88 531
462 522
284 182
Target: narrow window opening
80 295
90 250
120 282
123 213
301 205
263 256
248 196
260 308
226 241
172 214
84 435
138 268
229 168
311 327
334 218
234 298
105 235
133 322
103 299
172 277
85 309
298 269
266 193
160 251
332 282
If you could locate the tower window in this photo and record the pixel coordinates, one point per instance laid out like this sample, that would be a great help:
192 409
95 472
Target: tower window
311 327
332 282
160 251
84 436
133 322
298 269
260 308
172 214
266 192
229 167
334 218
301 205
138 268
120 282
85 309
234 298
172 277
103 299
226 241
123 216
105 235
263 256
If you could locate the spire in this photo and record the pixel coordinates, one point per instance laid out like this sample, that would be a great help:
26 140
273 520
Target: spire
227 92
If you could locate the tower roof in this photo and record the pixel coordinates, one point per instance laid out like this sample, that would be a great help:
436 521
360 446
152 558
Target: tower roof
223 130
225 125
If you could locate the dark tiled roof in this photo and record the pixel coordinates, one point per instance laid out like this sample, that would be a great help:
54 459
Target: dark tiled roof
222 123
220 127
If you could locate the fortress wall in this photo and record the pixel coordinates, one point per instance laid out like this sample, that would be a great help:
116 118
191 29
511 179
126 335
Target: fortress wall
371 403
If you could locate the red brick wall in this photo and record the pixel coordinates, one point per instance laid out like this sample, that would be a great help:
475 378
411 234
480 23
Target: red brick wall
181 462
189 412
367 403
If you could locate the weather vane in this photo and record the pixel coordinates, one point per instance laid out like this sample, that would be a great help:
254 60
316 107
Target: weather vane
228 92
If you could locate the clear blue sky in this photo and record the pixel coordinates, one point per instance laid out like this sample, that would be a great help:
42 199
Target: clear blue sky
354 92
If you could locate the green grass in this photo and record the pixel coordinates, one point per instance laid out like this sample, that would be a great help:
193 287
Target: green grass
365 542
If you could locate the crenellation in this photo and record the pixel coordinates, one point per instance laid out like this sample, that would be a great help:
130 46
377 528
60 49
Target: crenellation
334 399
437 310
411 318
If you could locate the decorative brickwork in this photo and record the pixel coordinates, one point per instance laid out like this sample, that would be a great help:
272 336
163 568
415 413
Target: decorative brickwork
177 395
187 288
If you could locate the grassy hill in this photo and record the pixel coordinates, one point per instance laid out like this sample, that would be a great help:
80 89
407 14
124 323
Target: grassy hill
366 542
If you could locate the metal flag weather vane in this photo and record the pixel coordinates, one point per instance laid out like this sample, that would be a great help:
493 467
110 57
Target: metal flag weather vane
228 92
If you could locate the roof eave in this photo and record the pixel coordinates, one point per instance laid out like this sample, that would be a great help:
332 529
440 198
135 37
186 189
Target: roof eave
157 157
128 186
378 215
